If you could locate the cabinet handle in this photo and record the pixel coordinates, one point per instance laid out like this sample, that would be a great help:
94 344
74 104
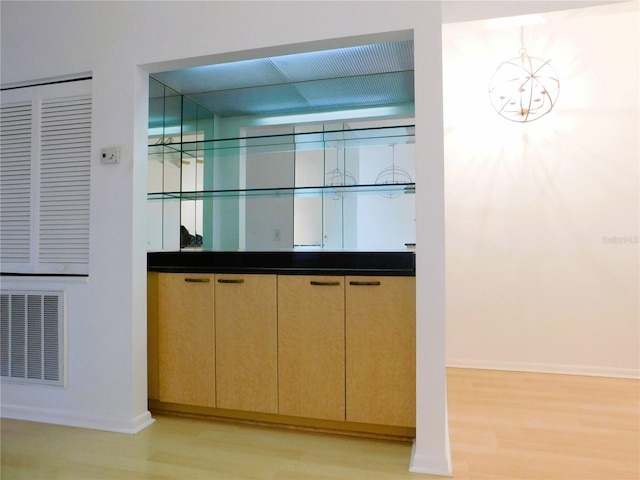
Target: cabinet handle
230 280
325 284
197 280
365 284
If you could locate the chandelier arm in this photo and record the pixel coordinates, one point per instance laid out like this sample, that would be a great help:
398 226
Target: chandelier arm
540 68
529 80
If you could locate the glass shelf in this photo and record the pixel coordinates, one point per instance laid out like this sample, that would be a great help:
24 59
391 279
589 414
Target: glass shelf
287 142
389 190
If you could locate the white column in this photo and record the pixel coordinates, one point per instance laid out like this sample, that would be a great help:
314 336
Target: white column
431 453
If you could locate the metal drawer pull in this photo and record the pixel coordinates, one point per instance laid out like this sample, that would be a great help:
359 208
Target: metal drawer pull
365 284
230 280
197 280
325 284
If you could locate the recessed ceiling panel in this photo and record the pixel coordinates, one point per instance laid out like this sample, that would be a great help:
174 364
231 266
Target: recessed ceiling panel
366 75
347 62
269 99
364 90
224 76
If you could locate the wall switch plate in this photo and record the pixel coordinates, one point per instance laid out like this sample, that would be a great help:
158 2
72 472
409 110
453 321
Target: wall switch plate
110 155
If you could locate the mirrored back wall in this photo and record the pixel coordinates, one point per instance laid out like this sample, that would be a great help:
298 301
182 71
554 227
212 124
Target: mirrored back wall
335 185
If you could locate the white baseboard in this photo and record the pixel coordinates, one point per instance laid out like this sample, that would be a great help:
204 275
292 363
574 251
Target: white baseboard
429 464
587 370
95 422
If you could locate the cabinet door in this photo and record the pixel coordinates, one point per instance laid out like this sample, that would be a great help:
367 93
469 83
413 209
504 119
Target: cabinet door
380 338
186 339
311 346
152 335
246 342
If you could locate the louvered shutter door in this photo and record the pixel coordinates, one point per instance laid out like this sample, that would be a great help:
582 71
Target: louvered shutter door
45 168
15 182
65 153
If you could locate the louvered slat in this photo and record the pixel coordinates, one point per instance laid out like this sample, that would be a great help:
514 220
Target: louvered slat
17 363
15 182
4 335
65 180
34 336
51 337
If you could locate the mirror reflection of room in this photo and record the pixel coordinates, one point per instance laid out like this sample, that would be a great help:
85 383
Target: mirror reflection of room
229 173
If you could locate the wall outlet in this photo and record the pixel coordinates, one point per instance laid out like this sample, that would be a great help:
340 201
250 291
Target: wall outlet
110 155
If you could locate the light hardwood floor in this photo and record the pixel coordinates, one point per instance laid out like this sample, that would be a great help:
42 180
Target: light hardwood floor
503 425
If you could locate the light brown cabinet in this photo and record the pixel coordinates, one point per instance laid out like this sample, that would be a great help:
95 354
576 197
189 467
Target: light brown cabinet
246 342
380 350
311 346
310 350
152 336
186 339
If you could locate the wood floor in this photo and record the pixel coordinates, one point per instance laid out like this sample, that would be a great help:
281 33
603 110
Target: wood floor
503 425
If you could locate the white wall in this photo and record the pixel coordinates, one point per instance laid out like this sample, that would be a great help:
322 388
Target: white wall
107 312
535 280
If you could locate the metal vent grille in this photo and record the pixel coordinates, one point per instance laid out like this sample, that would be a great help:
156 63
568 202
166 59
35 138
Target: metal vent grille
15 182
64 180
31 337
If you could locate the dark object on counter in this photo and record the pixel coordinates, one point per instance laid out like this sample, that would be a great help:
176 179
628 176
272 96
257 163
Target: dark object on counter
184 236
188 240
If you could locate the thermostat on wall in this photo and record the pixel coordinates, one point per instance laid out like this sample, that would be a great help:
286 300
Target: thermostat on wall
110 155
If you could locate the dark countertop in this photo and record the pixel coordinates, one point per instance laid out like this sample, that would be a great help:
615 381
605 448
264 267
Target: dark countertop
285 262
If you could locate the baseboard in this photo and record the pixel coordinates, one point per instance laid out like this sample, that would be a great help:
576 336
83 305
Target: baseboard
586 370
338 427
429 464
94 422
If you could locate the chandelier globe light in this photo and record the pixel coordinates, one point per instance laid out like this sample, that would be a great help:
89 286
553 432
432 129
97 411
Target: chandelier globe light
524 88
337 179
393 175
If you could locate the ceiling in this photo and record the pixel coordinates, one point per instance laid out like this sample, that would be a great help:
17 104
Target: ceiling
454 11
343 78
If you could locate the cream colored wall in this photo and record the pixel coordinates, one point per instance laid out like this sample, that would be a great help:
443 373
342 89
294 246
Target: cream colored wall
536 279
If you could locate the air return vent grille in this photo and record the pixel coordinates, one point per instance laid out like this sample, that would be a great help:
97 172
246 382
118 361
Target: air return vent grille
31 337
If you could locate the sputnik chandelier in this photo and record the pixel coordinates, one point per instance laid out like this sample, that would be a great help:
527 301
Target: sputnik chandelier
524 88
338 178
393 175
